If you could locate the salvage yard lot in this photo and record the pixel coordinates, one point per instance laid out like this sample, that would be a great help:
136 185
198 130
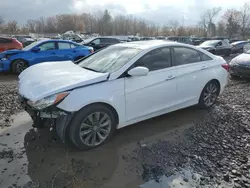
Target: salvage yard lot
188 148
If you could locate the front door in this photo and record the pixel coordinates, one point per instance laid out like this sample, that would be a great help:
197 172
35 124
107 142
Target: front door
48 52
155 92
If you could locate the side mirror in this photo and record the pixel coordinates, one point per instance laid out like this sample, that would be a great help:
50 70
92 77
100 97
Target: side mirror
36 49
138 71
92 43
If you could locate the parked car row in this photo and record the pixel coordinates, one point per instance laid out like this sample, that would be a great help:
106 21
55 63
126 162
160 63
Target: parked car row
217 47
42 51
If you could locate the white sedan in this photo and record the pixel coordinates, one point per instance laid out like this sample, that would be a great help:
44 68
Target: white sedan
119 86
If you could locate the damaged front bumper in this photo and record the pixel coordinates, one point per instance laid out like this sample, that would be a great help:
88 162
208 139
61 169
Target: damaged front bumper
58 118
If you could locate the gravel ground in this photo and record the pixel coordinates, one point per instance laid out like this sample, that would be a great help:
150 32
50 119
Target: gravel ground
8 103
217 148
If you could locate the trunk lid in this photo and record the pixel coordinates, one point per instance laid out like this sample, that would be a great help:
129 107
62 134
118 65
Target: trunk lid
49 78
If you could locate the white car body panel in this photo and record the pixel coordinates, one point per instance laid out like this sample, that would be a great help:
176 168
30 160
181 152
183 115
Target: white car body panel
49 78
133 98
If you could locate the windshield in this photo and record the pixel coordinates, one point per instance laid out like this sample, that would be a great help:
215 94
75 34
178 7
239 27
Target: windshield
109 59
209 43
30 46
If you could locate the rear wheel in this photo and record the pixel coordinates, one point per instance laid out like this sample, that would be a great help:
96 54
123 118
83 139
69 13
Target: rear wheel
209 94
92 126
19 66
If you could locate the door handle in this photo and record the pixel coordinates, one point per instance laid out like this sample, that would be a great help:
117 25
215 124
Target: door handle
204 67
170 78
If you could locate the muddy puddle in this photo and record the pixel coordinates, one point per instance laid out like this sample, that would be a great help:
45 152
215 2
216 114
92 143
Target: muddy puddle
37 158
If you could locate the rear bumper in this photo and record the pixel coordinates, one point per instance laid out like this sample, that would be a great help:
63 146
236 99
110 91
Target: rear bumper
236 71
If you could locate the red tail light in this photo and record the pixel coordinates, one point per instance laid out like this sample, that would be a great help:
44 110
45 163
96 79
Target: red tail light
225 66
91 51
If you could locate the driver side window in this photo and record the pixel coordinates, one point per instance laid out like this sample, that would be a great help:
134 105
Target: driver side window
156 59
219 44
96 41
47 46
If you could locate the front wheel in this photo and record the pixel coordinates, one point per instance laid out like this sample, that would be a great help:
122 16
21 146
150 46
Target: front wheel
19 66
209 94
92 126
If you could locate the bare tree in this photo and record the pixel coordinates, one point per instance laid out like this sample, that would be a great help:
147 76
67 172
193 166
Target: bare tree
232 20
244 18
174 25
1 20
207 18
12 27
220 29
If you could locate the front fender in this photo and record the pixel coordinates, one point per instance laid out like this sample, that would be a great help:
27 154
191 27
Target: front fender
109 92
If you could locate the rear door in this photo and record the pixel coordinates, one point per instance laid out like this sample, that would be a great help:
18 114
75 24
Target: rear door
191 67
65 52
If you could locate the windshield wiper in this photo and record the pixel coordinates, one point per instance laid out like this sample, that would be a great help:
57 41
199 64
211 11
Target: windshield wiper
90 69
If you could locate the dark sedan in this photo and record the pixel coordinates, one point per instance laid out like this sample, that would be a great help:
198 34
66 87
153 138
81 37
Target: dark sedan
217 47
237 47
240 66
100 42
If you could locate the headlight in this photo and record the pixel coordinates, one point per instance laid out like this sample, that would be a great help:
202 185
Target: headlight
48 101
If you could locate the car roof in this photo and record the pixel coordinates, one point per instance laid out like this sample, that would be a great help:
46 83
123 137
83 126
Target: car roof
150 44
55 40
238 42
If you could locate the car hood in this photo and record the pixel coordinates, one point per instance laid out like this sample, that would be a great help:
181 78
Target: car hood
45 79
242 59
10 52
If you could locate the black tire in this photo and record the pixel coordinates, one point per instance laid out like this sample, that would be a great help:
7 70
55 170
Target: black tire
18 66
203 103
82 116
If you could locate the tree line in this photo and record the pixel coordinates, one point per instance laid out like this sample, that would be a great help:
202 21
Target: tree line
231 23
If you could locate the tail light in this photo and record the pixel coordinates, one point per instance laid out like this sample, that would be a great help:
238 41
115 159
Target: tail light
91 51
225 66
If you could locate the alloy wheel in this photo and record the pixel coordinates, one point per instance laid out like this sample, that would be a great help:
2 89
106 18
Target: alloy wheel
210 94
95 128
21 66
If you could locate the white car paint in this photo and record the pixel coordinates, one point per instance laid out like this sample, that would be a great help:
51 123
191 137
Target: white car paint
50 78
134 98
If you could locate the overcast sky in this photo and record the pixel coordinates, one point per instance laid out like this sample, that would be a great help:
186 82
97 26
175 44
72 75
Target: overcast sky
158 11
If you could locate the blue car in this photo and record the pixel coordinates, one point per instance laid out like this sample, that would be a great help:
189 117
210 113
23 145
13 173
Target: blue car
42 51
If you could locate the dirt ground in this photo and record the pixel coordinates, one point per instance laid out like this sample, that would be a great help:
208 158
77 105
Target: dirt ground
188 148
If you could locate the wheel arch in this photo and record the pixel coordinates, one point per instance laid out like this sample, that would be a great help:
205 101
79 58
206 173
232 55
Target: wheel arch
12 61
64 122
109 106
217 81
